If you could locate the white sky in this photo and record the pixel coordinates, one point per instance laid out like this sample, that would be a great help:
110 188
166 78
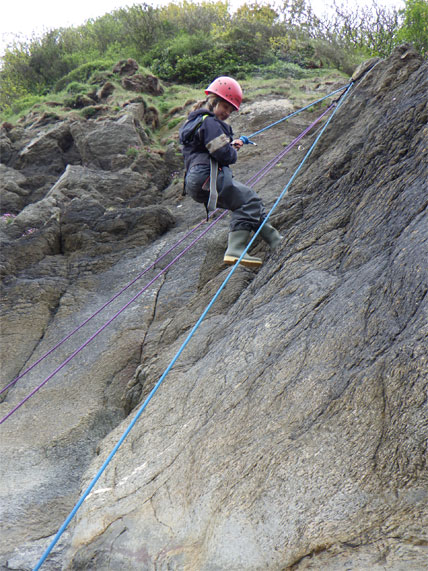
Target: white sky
20 19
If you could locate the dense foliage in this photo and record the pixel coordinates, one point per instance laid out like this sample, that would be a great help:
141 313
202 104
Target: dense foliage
415 25
193 42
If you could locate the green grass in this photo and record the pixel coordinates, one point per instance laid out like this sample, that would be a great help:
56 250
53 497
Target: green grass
174 104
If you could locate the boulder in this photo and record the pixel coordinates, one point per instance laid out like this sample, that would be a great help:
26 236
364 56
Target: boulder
143 84
126 67
12 189
48 150
86 225
6 146
106 90
99 142
125 187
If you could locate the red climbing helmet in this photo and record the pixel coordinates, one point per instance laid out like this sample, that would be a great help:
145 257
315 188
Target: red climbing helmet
228 89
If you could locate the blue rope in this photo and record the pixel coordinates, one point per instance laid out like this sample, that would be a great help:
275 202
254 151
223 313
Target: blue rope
246 140
179 352
296 172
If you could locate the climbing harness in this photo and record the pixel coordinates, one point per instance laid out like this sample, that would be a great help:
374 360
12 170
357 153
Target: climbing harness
212 200
184 344
251 182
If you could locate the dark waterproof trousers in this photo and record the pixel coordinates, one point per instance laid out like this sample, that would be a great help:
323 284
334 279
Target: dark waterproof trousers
247 208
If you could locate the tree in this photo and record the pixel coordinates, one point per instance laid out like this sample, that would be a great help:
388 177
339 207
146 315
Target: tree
415 25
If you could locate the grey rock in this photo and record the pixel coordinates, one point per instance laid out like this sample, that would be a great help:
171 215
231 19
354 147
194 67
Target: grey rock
126 67
12 189
364 68
46 150
106 90
143 84
140 111
291 433
6 146
99 142
124 187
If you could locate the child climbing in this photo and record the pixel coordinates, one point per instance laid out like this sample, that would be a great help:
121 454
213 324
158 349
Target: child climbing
209 148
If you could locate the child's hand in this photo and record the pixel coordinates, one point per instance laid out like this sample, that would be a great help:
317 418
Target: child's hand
237 143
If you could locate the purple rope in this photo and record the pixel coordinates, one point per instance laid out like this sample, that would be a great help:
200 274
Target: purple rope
112 318
100 309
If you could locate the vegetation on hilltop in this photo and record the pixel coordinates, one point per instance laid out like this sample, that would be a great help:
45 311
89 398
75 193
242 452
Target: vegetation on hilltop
190 42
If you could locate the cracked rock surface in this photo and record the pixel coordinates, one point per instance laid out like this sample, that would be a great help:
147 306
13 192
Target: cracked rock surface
292 432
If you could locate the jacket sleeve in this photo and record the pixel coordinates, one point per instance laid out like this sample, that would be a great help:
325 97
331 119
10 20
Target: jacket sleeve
217 138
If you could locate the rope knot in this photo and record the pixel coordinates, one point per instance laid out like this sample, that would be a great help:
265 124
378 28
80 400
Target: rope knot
246 140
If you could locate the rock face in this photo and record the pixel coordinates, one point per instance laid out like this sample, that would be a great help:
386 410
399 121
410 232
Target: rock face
292 431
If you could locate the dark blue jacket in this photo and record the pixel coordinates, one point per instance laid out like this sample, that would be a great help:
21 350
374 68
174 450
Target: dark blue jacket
213 139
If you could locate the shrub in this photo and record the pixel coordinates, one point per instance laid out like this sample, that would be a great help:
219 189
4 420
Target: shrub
83 73
174 122
247 35
132 152
192 42
330 54
415 25
25 103
88 112
199 63
76 88
282 69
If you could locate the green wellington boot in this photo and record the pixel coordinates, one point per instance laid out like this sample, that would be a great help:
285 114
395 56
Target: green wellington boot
237 242
271 236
